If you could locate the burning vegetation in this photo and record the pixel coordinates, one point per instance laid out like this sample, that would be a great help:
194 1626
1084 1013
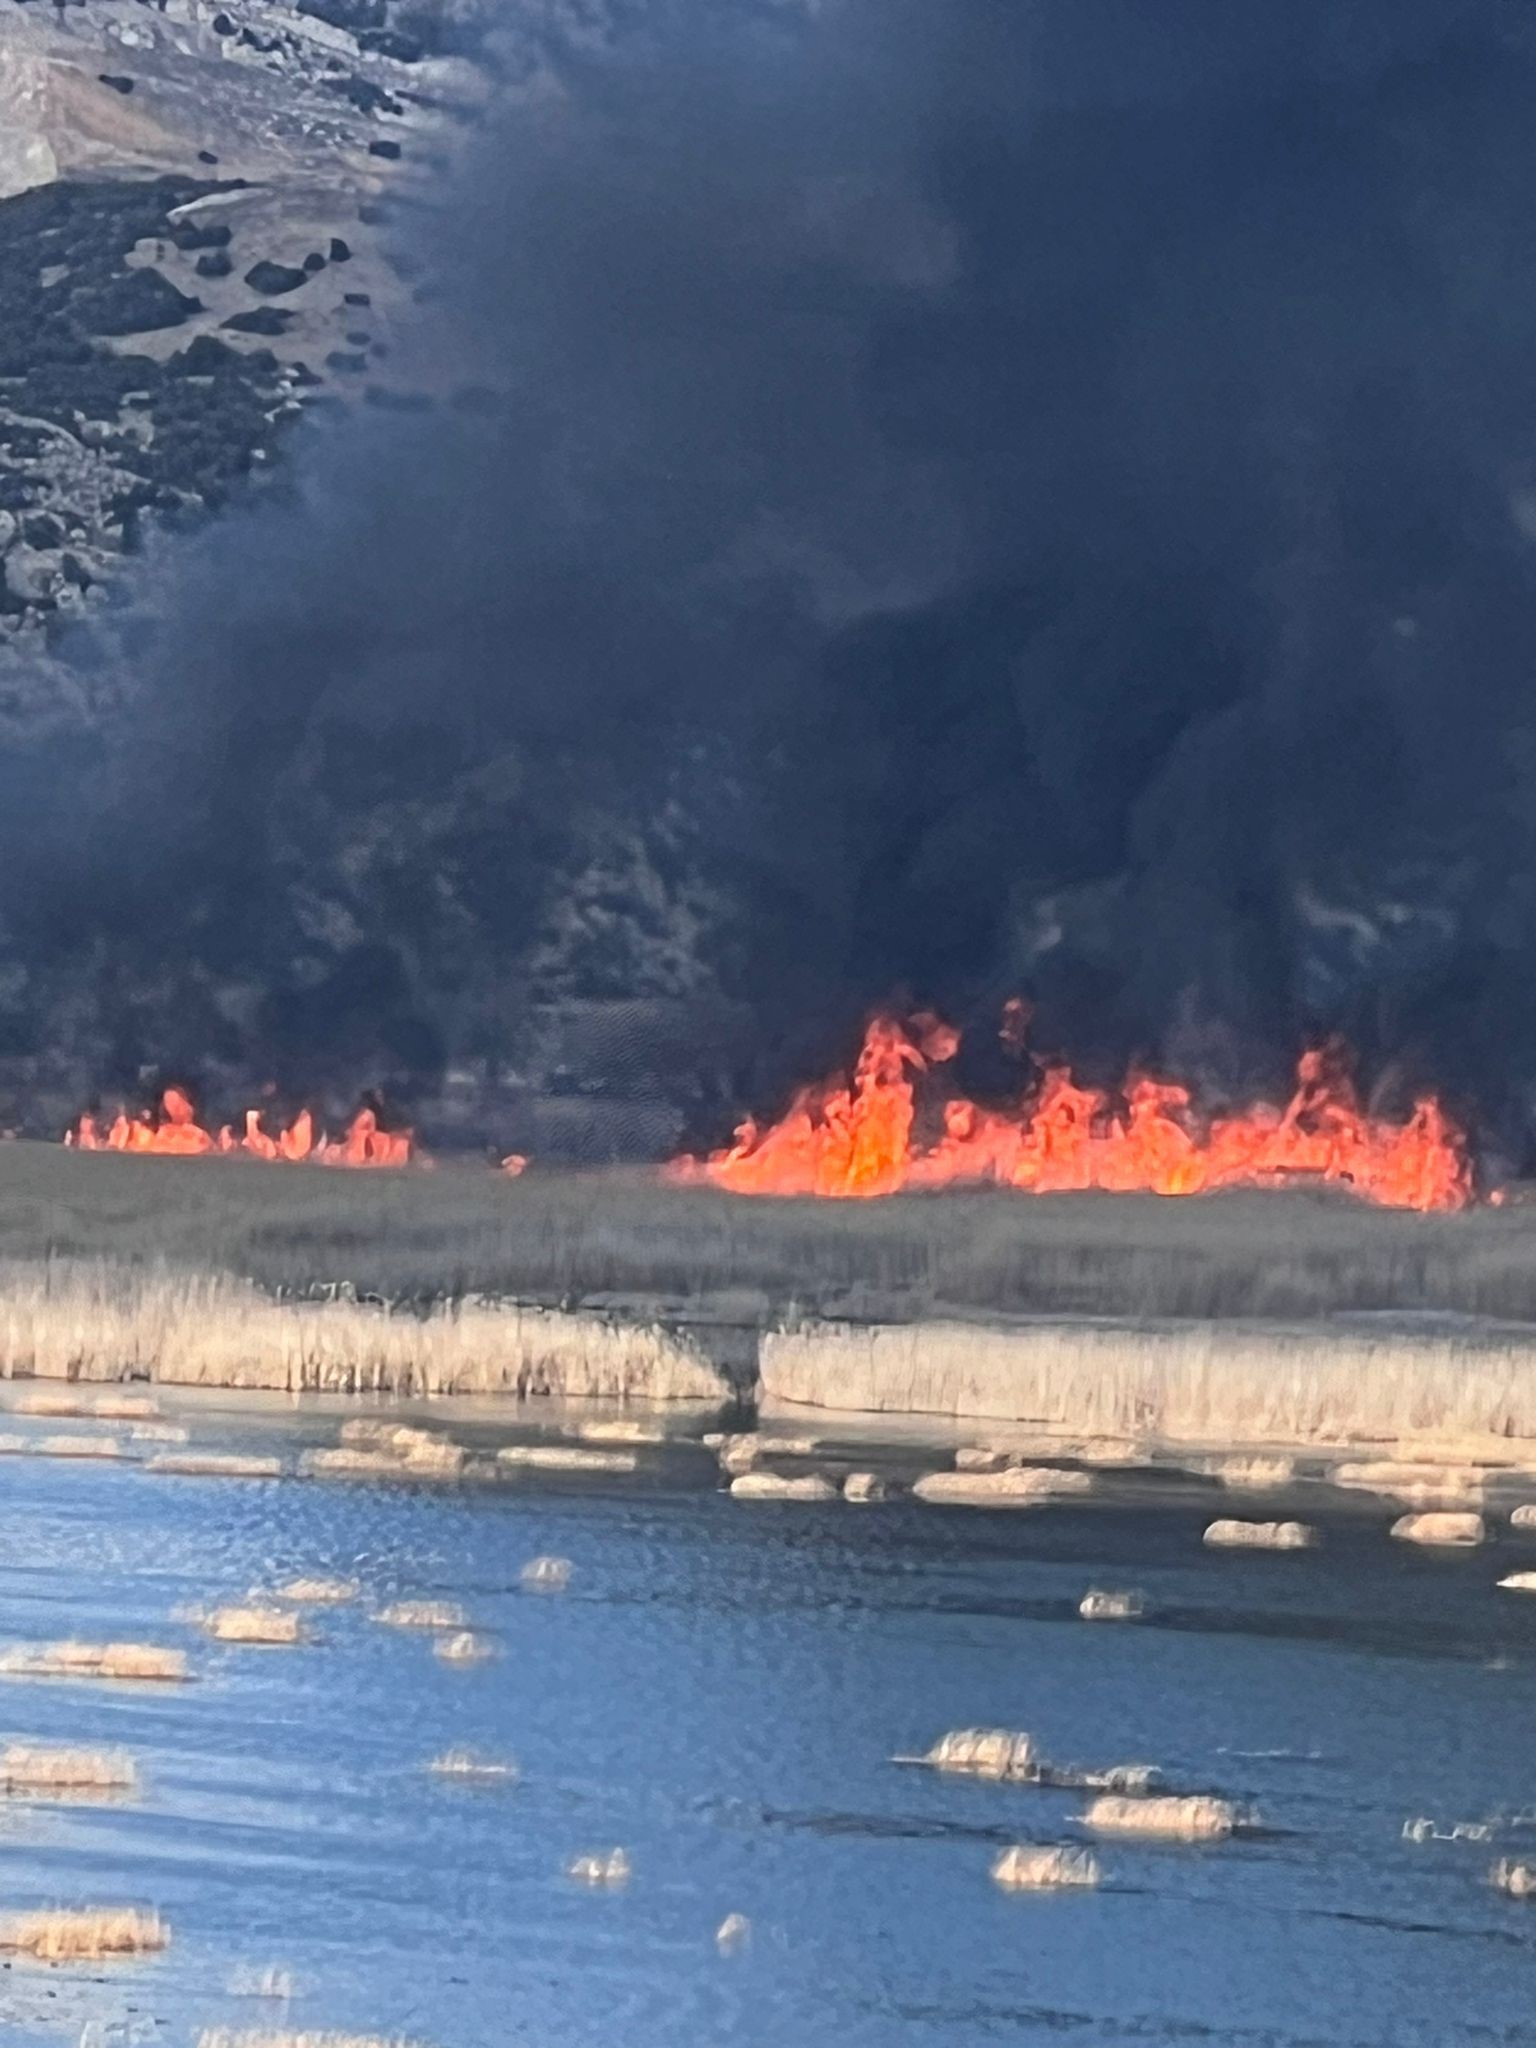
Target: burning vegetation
173 1129
883 1133
866 1138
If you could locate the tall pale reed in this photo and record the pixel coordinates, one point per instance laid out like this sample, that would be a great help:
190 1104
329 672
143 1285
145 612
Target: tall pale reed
97 1320
1333 1381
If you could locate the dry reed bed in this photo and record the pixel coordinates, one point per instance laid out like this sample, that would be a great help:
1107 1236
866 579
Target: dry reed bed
423 1614
214 1465
269 1981
125 1663
613 1869
1101 1603
1164 1819
285 2037
267 1627
564 1458
1019 1486
92 1934
566 1235
78 1321
810 1486
104 1447
464 1647
317 1592
1332 1381
1003 1753
546 1574
863 1489
469 1767
41 1771
1228 1534
1023 1868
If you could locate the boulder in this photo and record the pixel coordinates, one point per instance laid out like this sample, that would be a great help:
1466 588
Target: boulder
273 279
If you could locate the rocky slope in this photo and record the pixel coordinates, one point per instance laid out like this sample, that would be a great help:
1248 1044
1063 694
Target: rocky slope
192 201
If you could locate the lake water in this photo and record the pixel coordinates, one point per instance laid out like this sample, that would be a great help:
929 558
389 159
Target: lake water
720 1690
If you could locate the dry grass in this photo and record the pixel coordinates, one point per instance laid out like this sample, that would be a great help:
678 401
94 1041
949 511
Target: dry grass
1337 1382
346 1461
546 1574
95 1934
127 1663
1097 1604
986 1753
80 1447
272 1627
214 1465
210 1272
463 1647
124 1408
1253 1475
1423 1485
271 1981
1168 1819
433 1457
58 1406
317 1592
422 1614
617 1430
1020 1486
612 1869
864 1488
1137 1780
1023 1869
557 1237
468 1765
565 1458
1453 1531
39 1771
777 1486
83 1320
1228 1534
265 2037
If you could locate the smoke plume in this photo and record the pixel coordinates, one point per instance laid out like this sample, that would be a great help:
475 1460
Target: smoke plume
920 500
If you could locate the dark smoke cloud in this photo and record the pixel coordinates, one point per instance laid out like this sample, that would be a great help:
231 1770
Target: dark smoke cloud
992 494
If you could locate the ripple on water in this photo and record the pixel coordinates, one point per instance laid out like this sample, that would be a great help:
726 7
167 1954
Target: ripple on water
720 1692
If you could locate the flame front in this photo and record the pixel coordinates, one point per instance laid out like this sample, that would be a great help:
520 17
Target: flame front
846 1140
175 1131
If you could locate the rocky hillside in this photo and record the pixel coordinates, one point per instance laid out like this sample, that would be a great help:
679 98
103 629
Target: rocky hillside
192 205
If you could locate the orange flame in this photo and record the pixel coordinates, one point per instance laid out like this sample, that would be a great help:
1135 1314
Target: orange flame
859 1139
175 1131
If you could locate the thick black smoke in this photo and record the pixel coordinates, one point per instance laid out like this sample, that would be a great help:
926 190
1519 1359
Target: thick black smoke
967 495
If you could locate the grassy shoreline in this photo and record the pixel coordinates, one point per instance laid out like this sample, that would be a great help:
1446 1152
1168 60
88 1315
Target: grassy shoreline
1295 1315
624 1239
